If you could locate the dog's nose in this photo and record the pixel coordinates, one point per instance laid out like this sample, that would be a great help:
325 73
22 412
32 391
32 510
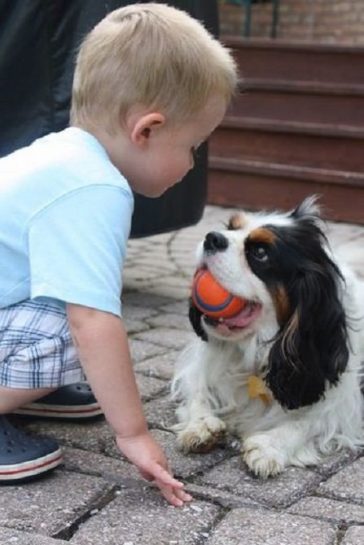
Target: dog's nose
215 242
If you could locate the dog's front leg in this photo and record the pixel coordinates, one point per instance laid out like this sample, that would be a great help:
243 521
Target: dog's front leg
267 453
199 429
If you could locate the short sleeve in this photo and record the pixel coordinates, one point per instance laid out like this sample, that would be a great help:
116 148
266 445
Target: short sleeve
77 247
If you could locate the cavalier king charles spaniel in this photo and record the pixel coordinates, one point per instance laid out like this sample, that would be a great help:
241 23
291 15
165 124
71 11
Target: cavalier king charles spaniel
284 374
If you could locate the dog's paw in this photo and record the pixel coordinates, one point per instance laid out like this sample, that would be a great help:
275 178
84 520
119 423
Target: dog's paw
262 458
201 436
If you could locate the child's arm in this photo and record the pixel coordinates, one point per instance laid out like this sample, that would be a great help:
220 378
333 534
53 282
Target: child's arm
102 345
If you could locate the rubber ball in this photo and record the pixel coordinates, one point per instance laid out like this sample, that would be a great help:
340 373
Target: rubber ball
212 299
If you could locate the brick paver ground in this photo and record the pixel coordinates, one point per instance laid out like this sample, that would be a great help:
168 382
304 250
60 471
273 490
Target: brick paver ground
97 498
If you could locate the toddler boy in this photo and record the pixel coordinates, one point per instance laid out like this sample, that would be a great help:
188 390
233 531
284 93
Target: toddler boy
150 85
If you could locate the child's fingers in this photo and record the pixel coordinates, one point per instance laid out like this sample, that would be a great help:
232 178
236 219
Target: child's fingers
176 497
171 488
170 496
165 478
182 495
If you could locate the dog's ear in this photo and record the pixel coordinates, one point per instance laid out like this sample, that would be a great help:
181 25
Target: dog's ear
195 318
311 349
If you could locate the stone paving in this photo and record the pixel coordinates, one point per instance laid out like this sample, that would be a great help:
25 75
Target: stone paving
97 498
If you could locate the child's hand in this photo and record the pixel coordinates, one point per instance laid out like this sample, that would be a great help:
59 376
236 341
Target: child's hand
145 453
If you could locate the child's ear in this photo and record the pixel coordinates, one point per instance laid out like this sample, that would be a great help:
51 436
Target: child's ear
143 126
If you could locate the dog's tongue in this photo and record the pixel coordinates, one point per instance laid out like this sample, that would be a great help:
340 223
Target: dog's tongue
242 319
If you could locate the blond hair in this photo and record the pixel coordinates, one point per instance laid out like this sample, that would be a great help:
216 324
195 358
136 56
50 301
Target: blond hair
149 54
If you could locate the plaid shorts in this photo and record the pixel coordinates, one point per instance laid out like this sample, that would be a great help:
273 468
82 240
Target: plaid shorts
36 348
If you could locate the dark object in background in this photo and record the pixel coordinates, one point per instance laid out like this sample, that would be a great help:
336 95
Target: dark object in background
38 44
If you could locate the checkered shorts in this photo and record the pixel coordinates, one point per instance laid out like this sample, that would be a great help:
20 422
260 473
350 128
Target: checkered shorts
36 349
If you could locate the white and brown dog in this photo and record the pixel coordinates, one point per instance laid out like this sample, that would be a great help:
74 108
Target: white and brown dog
283 375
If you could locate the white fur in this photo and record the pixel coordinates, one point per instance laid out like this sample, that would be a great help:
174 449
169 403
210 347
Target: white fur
211 378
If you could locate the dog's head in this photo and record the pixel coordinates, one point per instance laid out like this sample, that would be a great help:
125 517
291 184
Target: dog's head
280 264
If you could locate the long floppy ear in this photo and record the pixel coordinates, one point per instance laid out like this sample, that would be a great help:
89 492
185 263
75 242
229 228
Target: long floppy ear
195 319
311 349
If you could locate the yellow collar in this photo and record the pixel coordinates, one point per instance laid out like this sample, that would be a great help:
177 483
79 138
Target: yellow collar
258 389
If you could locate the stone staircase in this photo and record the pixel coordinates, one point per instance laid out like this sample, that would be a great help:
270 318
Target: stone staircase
295 128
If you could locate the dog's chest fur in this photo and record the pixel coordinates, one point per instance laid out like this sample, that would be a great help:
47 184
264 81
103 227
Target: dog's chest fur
228 384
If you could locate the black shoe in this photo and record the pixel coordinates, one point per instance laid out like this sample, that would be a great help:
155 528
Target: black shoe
72 401
23 457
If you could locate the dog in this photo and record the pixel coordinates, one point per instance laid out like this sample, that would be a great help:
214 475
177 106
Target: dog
283 375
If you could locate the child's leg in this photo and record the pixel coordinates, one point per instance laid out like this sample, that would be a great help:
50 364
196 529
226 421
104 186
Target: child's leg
36 352
13 398
36 356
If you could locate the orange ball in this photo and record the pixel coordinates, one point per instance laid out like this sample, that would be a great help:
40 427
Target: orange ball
212 299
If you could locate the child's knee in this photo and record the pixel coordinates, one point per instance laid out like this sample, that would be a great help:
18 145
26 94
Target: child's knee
13 398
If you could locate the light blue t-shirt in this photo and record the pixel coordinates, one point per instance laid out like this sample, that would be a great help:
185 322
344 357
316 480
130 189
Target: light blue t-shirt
65 216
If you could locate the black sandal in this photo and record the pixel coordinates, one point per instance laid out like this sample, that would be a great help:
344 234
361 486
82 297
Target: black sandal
23 457
72 401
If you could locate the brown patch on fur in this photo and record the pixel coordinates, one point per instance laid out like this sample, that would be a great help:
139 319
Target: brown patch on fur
237 221
281 303
261 234
258 389
192 442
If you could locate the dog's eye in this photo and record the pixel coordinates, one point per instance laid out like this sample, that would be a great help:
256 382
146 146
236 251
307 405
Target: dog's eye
259 253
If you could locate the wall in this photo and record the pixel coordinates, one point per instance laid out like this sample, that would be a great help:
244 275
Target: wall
325 21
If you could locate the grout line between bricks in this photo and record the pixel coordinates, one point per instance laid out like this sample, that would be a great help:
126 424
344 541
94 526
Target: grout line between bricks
104 499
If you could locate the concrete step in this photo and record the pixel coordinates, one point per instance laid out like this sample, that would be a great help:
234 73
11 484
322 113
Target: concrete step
304 62
295 143
257 184
300 102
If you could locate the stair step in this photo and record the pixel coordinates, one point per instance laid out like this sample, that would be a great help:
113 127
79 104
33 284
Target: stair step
298 127
276 144
257 190
293 172
298 86
290 61
300 106
295 128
